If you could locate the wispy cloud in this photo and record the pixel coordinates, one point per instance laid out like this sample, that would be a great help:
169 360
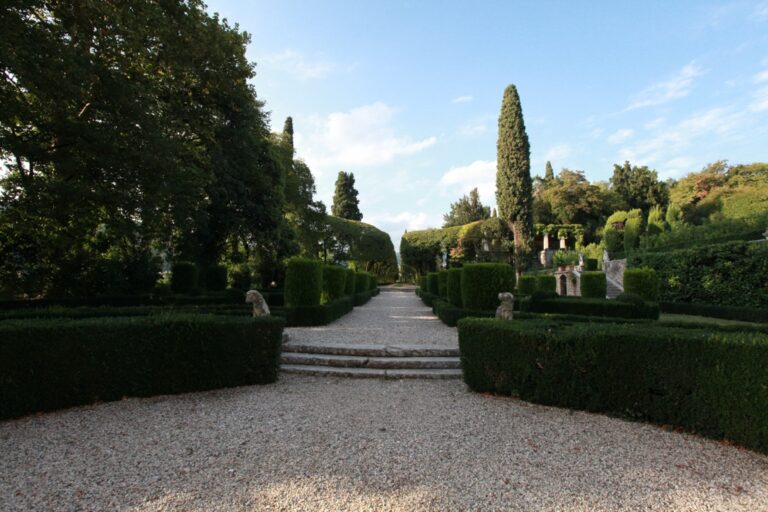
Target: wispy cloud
362 137
620 136
558 153
679 86
462 179
462 99
761 11
761 77
760 100
298 65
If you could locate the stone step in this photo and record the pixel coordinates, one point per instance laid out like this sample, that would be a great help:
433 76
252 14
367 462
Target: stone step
347 361
371 350
375 373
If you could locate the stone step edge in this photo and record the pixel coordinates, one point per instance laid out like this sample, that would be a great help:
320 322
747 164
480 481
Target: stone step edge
346 361
372 373
369 350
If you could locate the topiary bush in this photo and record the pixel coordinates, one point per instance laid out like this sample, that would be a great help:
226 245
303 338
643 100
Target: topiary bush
593 285
442 284
526 285
334 281
349 282
240 278
183 277
545 302
631 298
711 383
481 284
373 281
303 282
591 264
454 286
362 283
546 283
433 286
643 282
216 278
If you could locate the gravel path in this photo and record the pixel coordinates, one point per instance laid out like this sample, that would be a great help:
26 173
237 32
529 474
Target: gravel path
308 443
390 318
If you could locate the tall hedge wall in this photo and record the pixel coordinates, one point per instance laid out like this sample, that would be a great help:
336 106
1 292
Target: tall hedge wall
643 282
481 284
728 274
710 383
334 282
370 249
303 282
50 364
454 286
593 285
349 282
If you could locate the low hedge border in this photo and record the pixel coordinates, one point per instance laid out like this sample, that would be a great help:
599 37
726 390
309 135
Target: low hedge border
712 383
450 314
322 314
758 315
591 307
51 364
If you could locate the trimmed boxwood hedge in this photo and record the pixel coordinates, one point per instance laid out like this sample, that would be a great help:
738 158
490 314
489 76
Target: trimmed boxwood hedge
712 383
373 281
593 285
334 282
481 284
643 282
442 284
546 283
303 282
50 364
591 307
433 286
216 278
526 285
758 315
321 314
453 286
362 282
183 277
349 282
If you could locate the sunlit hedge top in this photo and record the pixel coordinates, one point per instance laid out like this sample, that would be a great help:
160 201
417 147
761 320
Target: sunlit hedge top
369 247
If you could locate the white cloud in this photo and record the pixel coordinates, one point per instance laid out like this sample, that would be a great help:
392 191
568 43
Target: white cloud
462 99
663 92
558 153
298 65
480 174
656 123
761 11
760 102
362 137
473 128
620 136
676 167
761 77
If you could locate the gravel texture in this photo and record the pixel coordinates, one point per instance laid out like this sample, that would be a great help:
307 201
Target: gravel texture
390 318
308 443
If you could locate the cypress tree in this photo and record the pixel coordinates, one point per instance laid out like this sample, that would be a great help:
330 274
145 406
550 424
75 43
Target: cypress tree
514 188
288 131
549 174
345 202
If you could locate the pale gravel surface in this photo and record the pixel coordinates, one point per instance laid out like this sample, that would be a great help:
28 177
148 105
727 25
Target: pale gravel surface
390 318
309 443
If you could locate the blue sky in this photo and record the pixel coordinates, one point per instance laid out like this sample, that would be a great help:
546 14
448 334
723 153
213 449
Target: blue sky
406 94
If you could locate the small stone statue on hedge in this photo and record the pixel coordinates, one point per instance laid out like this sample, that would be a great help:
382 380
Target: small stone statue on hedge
505 310
260 307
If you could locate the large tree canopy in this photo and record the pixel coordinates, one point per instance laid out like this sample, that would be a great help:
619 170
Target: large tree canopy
639 186
467 209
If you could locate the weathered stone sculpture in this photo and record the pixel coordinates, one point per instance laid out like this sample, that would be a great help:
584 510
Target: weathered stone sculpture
260 307
505 310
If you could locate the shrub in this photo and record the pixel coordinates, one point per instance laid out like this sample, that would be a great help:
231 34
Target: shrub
373 281
362 282
241 278
423 283
442 284
759 315
591 264
481 284
631 298
546 283
526 285
216 278
454 286
643 282
633 228
363 297
50 364
334 281
183 277
590 307
303 282
710 383
349 282
322 314
722 274
450 314
433 286
593 285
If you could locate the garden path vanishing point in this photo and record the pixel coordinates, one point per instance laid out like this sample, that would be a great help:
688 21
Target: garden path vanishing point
338 444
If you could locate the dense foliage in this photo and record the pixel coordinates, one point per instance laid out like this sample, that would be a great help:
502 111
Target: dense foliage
345 201
645 373
643 282
303 282
454 287
639 187
481 284
73 362
465 210
593 285
363 246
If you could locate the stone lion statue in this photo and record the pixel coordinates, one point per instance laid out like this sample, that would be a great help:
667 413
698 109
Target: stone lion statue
260 307
504 311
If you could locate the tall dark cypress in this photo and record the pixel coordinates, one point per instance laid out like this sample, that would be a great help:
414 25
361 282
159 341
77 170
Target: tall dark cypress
549 174
514 189
288 131
345 202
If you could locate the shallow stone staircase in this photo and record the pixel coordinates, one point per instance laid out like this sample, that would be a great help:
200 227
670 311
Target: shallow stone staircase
372 361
